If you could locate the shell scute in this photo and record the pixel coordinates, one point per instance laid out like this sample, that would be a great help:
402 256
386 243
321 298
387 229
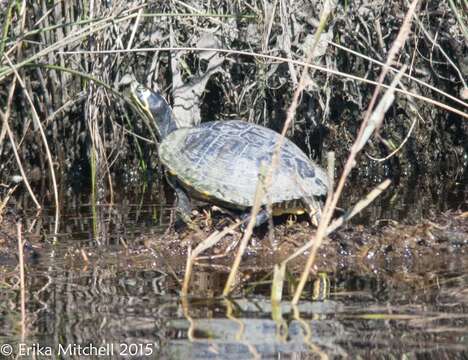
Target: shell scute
222 159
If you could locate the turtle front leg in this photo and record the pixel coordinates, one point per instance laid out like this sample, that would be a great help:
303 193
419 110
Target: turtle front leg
183 205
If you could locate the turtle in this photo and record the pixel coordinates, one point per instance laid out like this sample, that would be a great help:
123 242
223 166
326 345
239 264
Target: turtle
220 162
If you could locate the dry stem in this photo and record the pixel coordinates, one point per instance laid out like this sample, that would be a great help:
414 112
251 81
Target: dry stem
350 163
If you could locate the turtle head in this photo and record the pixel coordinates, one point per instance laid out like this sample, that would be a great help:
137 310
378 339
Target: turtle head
155 106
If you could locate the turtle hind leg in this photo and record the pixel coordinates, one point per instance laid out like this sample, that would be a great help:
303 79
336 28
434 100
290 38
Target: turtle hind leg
260 219
314 209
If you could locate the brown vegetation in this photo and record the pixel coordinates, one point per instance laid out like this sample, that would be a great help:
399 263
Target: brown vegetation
67 125
83 121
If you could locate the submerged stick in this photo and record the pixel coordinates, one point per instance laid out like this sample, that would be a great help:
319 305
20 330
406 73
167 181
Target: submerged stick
206 244
259 194
22 282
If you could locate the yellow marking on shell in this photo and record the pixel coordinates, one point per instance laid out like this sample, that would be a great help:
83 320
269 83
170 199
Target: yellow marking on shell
283 211
203 195
294 207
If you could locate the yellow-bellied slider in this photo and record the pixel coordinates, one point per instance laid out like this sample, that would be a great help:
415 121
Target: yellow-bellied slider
220 162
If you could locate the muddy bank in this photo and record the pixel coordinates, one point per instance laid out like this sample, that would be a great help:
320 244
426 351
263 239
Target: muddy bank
393 249
398 254
395 252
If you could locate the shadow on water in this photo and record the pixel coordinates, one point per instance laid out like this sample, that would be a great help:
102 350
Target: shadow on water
111 283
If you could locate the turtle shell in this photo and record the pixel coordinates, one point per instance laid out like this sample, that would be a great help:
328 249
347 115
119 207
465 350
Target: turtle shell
221 161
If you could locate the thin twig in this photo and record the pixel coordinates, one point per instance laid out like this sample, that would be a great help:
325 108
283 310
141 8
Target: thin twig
395 70
135 28
297 62
46 145
360 205
276 154
259 194
14 147
192 255
350 163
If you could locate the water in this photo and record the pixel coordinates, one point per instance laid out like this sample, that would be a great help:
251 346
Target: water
109 284
131 307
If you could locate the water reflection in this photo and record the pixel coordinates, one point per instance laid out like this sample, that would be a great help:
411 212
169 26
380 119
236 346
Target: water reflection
119 304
